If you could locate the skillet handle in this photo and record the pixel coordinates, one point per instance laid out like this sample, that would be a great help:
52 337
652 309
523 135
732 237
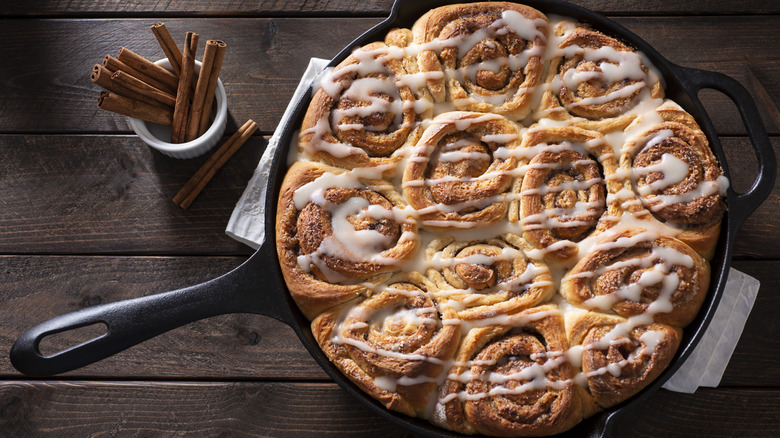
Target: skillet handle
747 202
247 289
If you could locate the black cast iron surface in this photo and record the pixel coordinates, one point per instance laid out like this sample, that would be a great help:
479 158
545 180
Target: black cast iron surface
257 286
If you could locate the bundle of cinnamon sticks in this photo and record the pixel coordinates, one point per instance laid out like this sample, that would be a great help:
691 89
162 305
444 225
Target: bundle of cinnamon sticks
181 99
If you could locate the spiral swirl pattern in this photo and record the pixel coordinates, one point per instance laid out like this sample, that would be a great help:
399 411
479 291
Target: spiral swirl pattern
596 79
496 222
638 272
510 379
461 169
485 278
489 55
620 358
361 116
394 343
332 237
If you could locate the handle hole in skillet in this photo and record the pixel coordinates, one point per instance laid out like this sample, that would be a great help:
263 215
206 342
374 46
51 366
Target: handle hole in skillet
58 342
742 161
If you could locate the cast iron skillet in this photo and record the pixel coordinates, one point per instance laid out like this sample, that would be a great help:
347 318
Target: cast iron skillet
257 285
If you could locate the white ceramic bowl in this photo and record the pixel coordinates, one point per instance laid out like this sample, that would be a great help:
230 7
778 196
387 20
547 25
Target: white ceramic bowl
159 136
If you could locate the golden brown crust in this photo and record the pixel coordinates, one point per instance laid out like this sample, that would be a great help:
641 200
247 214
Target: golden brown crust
486 79
319 272
489 277
639 272
530 389
465 189
349 124
619 358
529 159
563 193
581 89
392 344
690 202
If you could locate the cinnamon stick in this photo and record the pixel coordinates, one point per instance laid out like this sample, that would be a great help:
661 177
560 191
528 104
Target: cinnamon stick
104 77
182 107
195 185
193 125
149 68
208 101
113 65
134 108
148 92
168 46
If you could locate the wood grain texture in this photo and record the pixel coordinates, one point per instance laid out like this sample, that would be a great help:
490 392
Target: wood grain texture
86 217
67 408
232 346
87 194
346 7
73 194
44 81
242 346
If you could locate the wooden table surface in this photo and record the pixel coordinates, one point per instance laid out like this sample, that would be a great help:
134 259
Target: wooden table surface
86 217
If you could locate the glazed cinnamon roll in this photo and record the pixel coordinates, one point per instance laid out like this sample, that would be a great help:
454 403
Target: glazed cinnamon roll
676 176
364 113
488 277
393 344
460 171
619 358
563 193
485 57
640 273
594 80
567 213
337 233
512 378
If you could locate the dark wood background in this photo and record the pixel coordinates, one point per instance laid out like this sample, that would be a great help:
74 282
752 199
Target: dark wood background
86 217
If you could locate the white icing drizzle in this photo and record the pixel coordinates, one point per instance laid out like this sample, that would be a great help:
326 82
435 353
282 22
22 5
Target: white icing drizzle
374 82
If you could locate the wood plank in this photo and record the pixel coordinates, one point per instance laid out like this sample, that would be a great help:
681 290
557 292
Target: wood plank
348 7
112 195
86 194
57 408
242 346
44 83
231 346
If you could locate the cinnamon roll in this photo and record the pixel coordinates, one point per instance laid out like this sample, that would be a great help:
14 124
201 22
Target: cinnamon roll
392 344
618 357
595 81
566 210
563 193
337 233
512 378
364 113
676 176
460 171
637 272
488 277
485 57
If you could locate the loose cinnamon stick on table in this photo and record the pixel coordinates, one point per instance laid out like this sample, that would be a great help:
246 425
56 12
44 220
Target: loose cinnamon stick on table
182 108
134 108
193 125
208 101
195 185
149 68
168 46
144 89
103 77
113 65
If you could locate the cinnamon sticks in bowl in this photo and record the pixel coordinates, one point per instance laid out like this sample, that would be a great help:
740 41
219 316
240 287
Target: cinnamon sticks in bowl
170 102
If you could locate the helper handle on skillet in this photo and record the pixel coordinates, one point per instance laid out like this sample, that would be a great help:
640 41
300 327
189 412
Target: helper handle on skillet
697 80
250 288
